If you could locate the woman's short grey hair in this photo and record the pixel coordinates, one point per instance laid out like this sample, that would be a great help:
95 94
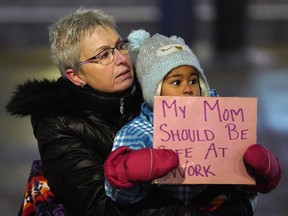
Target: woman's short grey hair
65 35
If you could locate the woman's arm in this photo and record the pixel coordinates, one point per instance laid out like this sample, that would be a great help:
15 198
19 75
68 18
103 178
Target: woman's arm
74 169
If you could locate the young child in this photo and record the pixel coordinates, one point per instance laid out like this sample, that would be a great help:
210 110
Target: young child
167 67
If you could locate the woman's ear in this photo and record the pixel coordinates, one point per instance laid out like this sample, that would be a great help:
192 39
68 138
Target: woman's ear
75 78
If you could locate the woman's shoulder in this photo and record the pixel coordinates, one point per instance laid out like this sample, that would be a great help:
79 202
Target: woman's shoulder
40 97
75 124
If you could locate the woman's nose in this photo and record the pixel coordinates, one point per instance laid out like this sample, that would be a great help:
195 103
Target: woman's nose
119 57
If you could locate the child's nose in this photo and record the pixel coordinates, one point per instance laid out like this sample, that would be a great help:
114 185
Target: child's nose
188 90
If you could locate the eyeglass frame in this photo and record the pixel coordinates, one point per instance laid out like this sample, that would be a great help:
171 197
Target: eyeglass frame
98 58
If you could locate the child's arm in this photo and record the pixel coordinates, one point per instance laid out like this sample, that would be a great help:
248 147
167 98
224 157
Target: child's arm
124 167
265 168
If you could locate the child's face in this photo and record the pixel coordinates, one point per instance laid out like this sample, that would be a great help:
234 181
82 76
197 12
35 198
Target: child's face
181 81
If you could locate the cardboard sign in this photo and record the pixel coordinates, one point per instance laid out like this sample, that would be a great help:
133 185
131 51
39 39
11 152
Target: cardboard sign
210 135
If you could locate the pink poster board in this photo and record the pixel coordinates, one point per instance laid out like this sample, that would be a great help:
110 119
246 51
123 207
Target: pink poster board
210 135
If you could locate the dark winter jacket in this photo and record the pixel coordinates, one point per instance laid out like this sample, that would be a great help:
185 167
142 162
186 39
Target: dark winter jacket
75 128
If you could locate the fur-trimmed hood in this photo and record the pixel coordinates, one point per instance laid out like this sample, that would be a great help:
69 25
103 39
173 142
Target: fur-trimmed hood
62 97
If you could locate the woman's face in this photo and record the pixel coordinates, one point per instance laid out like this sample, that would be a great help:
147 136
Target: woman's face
181 81
112 78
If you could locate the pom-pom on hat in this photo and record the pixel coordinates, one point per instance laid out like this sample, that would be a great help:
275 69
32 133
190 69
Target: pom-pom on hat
158 55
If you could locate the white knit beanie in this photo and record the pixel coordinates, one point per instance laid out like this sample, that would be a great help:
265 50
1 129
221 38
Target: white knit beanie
158 55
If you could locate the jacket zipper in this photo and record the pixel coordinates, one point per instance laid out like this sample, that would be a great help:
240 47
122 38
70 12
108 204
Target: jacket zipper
122 105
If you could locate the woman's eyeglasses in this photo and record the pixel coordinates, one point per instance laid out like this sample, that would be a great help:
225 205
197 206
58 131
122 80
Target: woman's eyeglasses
107 56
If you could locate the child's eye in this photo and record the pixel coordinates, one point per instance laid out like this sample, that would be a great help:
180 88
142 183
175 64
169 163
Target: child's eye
176 82
193 81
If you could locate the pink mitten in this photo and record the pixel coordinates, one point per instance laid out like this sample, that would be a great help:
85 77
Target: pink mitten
265 166
110 165
124 167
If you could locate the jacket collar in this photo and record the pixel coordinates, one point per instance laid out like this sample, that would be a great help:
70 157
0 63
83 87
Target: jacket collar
62 97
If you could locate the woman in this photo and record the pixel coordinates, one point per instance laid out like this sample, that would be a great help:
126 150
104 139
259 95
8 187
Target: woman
76 117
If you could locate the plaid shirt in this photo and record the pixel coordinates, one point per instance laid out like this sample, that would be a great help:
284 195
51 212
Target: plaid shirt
138 134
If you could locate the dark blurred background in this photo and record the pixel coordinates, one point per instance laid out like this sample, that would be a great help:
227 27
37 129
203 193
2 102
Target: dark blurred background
242 46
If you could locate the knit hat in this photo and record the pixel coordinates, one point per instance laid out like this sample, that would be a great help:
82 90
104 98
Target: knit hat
158 55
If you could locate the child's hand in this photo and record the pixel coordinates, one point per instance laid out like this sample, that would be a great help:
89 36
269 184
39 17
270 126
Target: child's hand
265 168
123 167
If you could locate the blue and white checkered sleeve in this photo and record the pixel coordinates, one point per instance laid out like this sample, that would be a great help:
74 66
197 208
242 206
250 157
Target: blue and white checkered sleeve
134 135
128 195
